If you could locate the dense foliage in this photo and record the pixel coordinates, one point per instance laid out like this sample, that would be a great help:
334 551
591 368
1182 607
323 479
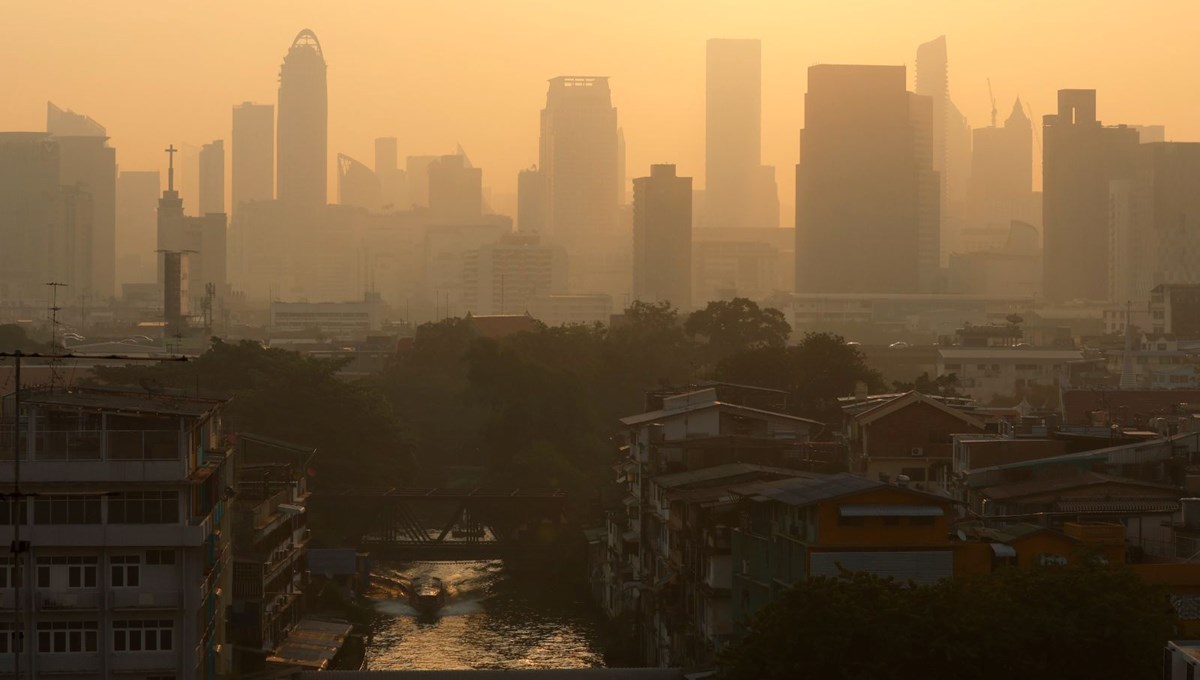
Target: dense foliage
1055 623
534 409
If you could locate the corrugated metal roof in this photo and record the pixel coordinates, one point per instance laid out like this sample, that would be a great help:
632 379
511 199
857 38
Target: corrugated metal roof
890 511
507 674
717 472
808 491
662 414
1119 506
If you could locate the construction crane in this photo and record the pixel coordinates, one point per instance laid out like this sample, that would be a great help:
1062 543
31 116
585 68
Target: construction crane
993 97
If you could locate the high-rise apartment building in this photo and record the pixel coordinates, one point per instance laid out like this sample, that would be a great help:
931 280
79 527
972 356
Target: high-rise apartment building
303 125
738 190
212 177
87 163
137 203
866 194
503 277
1080 159
253 163
28 183
662 237
455 190
579 157
126 567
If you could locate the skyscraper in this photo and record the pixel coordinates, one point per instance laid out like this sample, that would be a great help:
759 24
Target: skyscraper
951 151
88 163
28 180
212 177
357 184
202 238
1001 188
455 190
1080 159
531 201
579 157
393 187
137 199
866 193
662 237
253 165
303 125
733 133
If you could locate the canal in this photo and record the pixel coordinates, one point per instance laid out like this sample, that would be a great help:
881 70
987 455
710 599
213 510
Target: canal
490 621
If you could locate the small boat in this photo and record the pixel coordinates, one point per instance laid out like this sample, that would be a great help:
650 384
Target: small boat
427 594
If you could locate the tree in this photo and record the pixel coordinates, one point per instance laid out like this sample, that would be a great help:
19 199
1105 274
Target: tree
1052 622
14 338
737 325
944 385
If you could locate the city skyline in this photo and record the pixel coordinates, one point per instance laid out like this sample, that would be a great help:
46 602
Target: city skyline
192 96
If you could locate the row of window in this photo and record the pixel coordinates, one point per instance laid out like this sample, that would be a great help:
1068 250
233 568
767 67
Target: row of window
124 570
137 507
65 637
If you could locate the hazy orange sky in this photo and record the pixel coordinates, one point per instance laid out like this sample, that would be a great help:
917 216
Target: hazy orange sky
435 74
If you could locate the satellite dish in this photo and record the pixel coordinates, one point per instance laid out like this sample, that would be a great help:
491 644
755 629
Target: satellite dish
962 535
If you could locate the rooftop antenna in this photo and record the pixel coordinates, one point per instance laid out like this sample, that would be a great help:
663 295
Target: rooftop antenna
54 346
993 97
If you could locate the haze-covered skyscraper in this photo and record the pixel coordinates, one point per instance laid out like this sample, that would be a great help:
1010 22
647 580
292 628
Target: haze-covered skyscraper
455 190
253 164
531 201
137 200
1001 188
393 187
28 183
951 151
733 135
357 184
212 177
89 164
662 237
1080 159
579 152
866 193
303 125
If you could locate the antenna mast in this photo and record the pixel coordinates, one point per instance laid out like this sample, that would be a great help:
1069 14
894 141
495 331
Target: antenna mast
993 98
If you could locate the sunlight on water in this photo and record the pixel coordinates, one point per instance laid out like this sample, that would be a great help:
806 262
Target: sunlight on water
486 623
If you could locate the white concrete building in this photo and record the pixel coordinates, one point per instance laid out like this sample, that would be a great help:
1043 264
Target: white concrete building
125 567
985 373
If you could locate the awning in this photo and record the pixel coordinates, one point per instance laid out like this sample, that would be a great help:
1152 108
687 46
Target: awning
890 511
1003 550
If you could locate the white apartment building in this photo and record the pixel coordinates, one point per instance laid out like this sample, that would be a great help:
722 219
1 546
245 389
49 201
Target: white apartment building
124 573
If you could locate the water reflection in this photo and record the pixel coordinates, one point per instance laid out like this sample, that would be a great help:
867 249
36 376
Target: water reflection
488 622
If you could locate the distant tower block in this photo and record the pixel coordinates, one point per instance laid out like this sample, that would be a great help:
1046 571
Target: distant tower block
303 124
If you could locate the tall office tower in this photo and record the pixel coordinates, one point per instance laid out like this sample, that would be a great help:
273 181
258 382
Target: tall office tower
622 198
733 134
579 158
137 201
455 190
212 177
531 201
28 178
1155 222
1080 158
393 189
357 184
87 162
951 139
303 125
662 237
1001 187
863 205
253 165
416 172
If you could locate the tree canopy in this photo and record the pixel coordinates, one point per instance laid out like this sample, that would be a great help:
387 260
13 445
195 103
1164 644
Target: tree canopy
737 325
1057 623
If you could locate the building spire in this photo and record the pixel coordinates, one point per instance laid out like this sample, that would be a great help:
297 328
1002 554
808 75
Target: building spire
171 150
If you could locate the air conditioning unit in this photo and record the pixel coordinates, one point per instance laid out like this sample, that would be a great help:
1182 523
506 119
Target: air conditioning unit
917 451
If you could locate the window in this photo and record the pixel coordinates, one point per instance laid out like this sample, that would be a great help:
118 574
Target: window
144 507
125 571
66 510
5 571
80 571
154 635
9 640
160 557
57 637
6 512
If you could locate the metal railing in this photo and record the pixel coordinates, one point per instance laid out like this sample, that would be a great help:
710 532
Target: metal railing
91 445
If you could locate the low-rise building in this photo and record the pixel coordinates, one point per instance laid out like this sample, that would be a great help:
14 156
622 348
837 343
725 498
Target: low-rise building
565 310
988 373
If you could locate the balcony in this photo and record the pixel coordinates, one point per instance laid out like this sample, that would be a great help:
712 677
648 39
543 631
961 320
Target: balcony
136 598
67 600
164 662
80 663
114 535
